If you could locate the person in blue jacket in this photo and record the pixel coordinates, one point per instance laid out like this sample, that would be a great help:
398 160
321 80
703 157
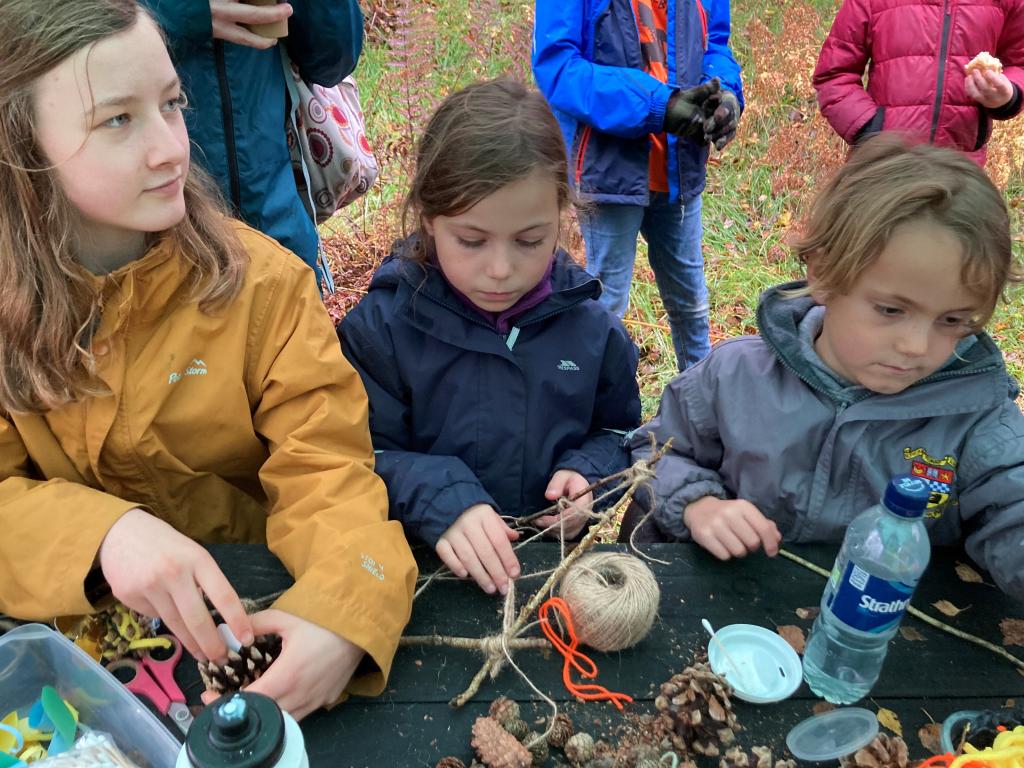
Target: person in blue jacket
235 84
497 382
641 88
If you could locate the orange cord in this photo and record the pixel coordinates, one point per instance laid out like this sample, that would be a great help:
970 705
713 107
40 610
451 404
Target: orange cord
939 761
574 659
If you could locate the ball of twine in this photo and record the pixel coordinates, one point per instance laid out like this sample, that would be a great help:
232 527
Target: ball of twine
613 598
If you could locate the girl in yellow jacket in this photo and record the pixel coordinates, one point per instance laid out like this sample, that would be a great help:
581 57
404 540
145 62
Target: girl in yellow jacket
169 376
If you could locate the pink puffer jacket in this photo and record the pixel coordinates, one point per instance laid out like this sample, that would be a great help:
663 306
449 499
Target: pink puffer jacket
917 50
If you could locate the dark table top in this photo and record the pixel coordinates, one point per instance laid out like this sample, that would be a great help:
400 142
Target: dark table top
412 724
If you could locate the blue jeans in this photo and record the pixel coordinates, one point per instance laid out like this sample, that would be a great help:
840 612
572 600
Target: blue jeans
673 232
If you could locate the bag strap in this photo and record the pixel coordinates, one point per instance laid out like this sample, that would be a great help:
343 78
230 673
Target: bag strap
44 449
293 97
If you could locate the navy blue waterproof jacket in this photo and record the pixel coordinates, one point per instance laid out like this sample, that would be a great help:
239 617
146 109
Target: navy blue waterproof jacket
463 415
588 64
238 100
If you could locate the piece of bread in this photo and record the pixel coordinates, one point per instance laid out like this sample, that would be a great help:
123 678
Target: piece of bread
984 62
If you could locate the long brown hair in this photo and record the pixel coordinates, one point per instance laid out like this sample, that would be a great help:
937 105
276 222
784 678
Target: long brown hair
889 181
49 305
482 138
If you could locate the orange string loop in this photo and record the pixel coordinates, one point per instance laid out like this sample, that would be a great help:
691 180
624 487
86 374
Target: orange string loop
937 761
575 659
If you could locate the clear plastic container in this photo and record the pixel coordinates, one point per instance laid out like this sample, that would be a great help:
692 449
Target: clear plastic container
34 655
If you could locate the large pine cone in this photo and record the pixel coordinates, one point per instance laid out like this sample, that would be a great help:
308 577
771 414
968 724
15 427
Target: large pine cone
496 747
450 762
755 757
883 752
243 667
695 703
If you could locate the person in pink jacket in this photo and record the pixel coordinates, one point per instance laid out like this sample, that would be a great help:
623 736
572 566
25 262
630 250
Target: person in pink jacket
915 54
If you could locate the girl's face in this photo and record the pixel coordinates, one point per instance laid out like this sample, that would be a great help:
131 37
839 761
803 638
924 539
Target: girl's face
109 119
500 248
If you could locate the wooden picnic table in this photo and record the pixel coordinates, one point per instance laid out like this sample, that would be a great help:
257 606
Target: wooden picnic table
412 724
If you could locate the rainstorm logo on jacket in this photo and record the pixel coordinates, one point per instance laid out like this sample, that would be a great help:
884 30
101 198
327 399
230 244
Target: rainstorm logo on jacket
938 473
196 368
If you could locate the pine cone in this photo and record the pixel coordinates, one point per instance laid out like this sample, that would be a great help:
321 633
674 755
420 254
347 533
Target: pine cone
504 709
516 726
580 748
561 731
695 705
496 747
883 752
242 667
756 757
450 762
538 747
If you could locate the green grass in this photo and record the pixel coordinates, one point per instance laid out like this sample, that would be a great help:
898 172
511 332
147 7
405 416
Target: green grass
757 189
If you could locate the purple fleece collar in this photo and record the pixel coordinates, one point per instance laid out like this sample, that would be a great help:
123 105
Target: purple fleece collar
502 321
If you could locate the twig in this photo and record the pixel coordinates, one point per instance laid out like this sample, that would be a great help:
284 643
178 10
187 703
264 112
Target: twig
474 643
918 614
641 472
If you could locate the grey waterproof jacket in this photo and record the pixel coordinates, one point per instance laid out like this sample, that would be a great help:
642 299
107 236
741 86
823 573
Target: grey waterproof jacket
757 420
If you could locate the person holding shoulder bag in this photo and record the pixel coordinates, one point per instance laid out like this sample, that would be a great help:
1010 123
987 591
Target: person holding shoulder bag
236 86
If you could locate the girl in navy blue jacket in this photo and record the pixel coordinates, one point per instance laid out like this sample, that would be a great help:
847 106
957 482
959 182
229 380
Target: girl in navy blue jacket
497 382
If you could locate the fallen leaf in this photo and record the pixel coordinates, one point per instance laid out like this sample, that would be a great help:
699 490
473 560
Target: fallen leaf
821 707
948 608
808 613
793 635
930 735
909 633
966 573
890 720
1013 631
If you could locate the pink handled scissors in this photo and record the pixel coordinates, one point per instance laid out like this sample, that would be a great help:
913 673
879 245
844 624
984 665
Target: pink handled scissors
152 677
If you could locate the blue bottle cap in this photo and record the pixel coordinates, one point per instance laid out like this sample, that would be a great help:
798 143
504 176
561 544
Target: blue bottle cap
907 495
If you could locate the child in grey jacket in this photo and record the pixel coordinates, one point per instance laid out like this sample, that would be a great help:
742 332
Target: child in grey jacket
876 366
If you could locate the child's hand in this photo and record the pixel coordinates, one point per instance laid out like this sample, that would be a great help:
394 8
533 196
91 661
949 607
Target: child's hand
567 483
730 528
477 545
313 669
159 572
988 88
228 16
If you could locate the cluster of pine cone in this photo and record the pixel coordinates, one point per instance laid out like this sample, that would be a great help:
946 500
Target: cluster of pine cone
504 740
696 710
884 752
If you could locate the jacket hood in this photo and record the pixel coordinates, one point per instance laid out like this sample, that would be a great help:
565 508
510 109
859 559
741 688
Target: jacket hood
779 317
570 283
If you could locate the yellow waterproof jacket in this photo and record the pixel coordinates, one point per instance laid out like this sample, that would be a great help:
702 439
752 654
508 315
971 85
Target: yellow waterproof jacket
243 426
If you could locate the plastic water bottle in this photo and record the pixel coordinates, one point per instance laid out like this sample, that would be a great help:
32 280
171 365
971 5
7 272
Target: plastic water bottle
243 730
884 553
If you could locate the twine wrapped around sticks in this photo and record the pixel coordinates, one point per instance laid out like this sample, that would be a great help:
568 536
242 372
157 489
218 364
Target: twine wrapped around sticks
627 482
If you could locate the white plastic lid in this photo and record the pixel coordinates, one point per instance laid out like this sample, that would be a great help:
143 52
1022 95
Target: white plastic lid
760 666
833 734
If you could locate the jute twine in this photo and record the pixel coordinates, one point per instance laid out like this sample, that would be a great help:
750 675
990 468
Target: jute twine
613 598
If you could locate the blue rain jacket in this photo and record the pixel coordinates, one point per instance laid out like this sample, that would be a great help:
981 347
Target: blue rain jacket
588 63
462 415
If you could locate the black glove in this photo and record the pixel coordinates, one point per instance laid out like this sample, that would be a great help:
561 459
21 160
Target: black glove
684 115
721 114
